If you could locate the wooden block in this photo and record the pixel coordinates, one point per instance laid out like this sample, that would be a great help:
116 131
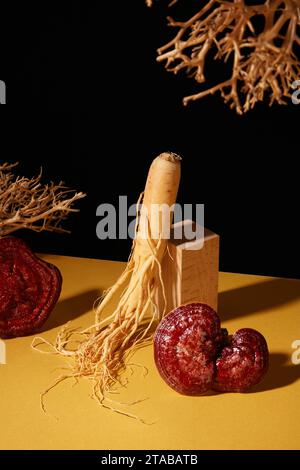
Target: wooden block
2 352
191 270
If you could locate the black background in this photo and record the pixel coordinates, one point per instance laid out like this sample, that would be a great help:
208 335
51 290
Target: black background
87 101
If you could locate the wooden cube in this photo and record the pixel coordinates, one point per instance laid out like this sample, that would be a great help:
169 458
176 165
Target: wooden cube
2 352
191 270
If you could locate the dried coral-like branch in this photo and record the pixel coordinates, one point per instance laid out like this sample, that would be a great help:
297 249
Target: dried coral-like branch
27 203
264 59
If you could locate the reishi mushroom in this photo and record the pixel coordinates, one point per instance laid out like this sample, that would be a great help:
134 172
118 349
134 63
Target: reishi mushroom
193 354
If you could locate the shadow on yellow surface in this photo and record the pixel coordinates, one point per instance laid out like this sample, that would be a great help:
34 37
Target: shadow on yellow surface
71 308
280 374
257 297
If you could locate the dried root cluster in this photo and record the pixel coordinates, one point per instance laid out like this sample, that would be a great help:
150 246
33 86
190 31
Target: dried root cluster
261 42
27 203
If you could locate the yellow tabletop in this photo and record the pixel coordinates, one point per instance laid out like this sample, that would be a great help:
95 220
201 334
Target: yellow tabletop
266 418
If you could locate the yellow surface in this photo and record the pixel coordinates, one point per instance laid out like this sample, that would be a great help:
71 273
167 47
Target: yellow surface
267 418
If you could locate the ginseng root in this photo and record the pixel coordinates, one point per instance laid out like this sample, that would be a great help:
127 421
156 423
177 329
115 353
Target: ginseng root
104 348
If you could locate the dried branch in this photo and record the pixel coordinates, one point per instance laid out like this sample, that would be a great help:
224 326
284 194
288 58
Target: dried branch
264 63
27 203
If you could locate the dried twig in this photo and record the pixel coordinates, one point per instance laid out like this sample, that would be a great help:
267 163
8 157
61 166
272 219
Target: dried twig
264 62
27 203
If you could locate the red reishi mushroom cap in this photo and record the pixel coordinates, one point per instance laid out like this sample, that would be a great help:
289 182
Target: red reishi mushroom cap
194 355
242 363
29 289
185 347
